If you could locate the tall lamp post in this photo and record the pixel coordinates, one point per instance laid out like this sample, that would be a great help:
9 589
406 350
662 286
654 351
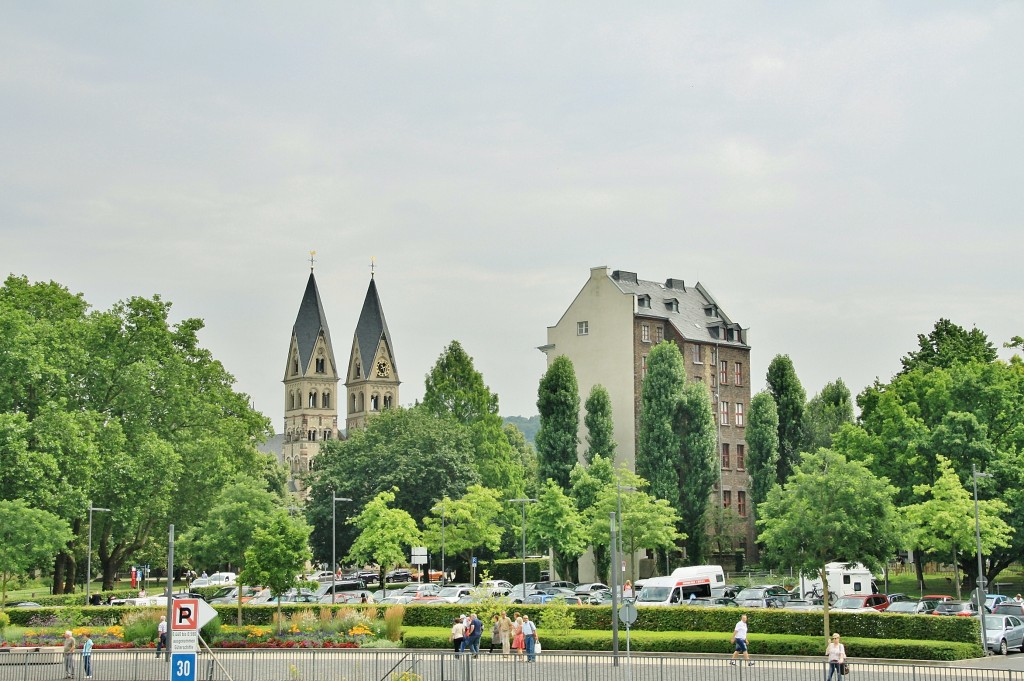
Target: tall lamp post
88 556
334 540
444 575
975 474
619 489
524 502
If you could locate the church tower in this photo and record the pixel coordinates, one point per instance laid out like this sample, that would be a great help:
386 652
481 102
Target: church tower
372 378
310 388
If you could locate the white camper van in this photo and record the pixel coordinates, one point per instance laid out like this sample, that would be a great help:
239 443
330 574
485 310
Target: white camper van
695 581
843 579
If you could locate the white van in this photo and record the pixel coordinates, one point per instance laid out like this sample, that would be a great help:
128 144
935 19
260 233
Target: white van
844 579
223 579
695 581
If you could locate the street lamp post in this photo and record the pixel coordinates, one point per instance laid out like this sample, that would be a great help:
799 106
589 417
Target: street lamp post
975 474
444 575
334 539
524 502
618 519
88 556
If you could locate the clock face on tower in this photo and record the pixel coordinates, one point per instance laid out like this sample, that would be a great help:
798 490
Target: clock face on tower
382 369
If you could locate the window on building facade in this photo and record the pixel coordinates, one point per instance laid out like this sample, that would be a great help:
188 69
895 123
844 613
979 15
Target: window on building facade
312 400
738 374
582 328
643 366
325 401
374 403
387 401
723 413
726 499
320 365
739 413
741 503
725 455
741 457
295 366
659 334
723 372
645 333
696 354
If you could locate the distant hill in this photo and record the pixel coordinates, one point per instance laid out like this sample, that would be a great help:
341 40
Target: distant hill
529 426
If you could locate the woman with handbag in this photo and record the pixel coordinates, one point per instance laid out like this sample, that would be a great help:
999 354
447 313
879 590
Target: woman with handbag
518 640
836 653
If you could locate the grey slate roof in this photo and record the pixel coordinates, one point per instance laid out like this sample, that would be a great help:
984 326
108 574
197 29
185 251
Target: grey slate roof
310 321
692 320
372 327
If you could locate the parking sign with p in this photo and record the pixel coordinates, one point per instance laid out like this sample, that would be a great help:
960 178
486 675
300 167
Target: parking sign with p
185 614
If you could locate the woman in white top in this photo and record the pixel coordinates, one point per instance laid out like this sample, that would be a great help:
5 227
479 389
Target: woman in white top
836 653
458 633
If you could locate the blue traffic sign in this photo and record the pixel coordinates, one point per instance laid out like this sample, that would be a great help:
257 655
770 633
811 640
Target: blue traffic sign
183 667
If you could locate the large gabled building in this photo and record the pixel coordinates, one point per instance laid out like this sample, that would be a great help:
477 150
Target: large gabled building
608 331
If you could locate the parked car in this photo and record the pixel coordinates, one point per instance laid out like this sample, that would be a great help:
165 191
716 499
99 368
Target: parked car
804 604
322 576
897 597
421 590
398 575
992 600
229 594
453 593
396 599
591 587
728 591
1003 632
940 598
223 579
1009 608
910 607
598 598
957 609
762 597
856 602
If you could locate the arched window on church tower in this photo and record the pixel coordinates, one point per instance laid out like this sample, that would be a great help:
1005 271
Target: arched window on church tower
325 400
358 371
353 407
387 401
295 365
320 365
312 399
375 402
362 402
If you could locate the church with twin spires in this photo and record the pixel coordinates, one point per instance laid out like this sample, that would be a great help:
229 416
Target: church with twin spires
311 377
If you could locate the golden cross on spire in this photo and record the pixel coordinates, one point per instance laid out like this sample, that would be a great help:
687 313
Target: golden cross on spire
373 262
311 260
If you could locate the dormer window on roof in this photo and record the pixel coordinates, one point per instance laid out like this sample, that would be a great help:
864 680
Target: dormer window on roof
710 310
672 304
643 301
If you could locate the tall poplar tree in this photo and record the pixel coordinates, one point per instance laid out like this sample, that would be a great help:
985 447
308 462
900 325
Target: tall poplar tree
825 414
762 447
657 441
696 467
558 400
598 420
789 396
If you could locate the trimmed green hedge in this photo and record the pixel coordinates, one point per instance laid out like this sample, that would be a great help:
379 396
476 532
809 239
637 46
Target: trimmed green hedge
760 621
719 643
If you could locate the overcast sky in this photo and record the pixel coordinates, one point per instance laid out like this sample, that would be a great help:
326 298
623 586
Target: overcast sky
839 175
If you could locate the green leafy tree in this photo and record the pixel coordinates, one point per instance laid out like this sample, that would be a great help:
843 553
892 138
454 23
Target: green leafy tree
555 522
948 344
830 510
278 554
789 397
762 447
646 522
826 413
471 523
726 528
526 456
29 538
386 534
454 388
944 522
696 466
426 457
558 400
658 441
586 483
600 427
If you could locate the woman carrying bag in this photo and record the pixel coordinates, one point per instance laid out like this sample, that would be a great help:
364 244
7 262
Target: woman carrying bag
836 653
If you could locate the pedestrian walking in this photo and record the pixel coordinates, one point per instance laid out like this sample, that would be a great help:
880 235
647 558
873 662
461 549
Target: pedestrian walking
473 637
161 634
530 638
518 640
739 639
836 653
495 633
87 655
627 589
505 633
69 655
457 635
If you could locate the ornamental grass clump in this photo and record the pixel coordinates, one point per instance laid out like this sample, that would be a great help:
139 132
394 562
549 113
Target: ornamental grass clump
393 622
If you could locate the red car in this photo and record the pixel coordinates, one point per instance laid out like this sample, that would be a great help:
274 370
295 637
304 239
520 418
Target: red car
862 602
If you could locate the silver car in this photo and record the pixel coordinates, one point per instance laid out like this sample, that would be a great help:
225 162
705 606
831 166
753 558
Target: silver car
1003 632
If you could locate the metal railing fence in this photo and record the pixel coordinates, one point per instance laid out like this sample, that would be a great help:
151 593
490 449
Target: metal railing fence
317 664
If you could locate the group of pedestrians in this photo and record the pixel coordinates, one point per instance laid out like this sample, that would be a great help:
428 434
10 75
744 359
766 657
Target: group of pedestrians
69 655
835 651
518 635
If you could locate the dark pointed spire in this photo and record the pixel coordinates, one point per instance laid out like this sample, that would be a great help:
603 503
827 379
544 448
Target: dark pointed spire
373 328
309 323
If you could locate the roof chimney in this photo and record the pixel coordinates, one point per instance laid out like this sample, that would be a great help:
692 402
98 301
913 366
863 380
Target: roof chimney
675 283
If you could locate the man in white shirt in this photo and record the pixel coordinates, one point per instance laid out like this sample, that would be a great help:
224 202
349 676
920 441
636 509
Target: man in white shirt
161 631
530 638
739 639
